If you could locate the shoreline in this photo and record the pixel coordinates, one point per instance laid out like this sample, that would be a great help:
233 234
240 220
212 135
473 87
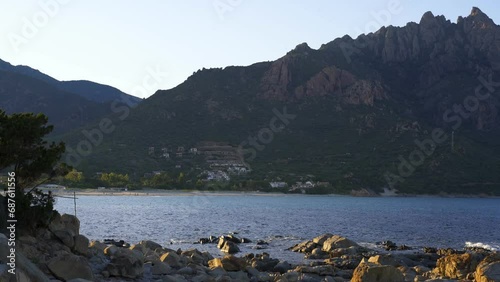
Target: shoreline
164 193
326 257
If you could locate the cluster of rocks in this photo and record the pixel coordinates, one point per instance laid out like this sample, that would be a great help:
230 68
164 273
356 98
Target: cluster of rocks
226 243
229 243
60 253
391 246
351 262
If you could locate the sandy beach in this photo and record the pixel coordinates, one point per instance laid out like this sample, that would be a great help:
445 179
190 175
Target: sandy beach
165 193
159 193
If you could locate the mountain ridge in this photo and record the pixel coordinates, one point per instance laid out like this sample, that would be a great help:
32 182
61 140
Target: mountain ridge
360 104
89 90
66 111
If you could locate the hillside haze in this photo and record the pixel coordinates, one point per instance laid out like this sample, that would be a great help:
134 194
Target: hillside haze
87 89
68 104
413 108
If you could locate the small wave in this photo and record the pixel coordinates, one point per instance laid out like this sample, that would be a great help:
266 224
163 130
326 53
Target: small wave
281 238
482 245
369 245
180 241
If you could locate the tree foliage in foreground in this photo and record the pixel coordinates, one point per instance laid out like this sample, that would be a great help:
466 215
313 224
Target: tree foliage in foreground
24 151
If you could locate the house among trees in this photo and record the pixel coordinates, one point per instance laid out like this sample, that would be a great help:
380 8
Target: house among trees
303 185
278 184
164 153
217 176
238 169
180 152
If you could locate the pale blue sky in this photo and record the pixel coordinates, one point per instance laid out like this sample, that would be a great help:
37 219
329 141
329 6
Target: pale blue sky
120 42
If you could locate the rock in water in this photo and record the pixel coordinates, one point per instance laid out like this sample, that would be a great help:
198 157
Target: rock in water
337 242
232 238
203 241
227 246
230 248
245 240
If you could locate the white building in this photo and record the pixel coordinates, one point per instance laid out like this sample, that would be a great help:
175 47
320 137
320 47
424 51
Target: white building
278 184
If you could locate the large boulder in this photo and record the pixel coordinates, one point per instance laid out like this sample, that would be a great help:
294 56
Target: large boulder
65 222
26 271
282 267
488 271
228 247
111 250
160 268
172 259
262 262
66 228
68 266
140 248
197 257
337 242
305 247
66 237
228 263
320 240
81 245
97 247
318 253
231 238
384 260
126 263
456 266
150 245
371 272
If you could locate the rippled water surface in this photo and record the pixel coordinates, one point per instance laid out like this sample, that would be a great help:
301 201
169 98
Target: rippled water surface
177 221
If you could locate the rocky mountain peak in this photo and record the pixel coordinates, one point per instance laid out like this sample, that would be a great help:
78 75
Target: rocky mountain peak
302 48
428 17
476 12
478 19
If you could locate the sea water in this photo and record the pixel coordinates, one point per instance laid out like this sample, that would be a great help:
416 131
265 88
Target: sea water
284 220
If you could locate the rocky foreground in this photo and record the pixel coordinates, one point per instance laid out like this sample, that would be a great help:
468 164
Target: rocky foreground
60 253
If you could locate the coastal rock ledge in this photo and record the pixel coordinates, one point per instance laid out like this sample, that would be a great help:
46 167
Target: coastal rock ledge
352 262
60 253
